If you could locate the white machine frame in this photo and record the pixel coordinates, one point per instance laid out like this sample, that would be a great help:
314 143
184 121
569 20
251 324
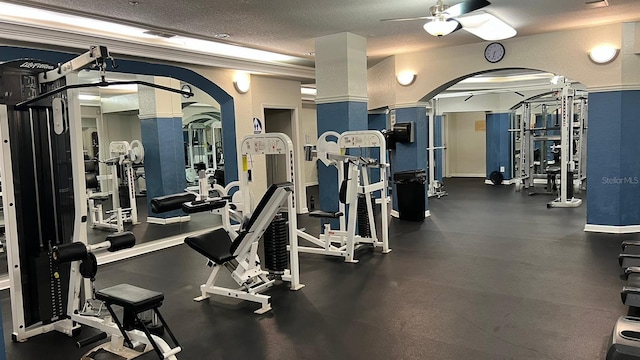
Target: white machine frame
571 102
122 153
343 242
77 287
248 268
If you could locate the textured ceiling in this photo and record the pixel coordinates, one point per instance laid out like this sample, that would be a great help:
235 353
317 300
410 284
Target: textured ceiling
290 26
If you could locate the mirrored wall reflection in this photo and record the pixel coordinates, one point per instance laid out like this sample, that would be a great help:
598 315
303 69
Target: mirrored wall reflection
202 131
114 158
113 142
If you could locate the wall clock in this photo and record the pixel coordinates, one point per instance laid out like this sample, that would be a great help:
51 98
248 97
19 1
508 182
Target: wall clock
494 52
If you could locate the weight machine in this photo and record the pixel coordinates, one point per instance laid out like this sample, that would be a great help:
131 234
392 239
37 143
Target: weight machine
356 190
123 156
44 198
436 188
565 139
235 248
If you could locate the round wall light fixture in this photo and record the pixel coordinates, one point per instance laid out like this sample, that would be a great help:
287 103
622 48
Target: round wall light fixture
242 84
406 78
603 54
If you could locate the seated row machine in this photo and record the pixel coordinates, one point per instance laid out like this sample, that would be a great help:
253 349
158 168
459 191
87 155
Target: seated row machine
355 208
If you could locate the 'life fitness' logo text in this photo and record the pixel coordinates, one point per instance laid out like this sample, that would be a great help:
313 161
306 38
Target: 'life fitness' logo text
35 65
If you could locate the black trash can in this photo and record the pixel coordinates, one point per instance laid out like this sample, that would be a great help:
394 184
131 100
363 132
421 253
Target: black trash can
410 192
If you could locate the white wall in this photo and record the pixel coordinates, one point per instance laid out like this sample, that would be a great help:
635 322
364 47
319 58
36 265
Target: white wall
120 127
466 147
309 129
563 53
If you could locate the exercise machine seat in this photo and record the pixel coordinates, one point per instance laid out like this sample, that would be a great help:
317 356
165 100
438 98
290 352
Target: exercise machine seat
214 245
342 196
217 245
131 297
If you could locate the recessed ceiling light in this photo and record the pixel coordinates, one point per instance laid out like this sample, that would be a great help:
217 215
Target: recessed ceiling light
221 35
310 53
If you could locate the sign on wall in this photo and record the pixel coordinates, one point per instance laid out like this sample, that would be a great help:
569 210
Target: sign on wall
257 126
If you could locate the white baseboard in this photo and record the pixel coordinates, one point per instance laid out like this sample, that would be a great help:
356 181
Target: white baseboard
609 229
167 221
396 215
504 182
468 175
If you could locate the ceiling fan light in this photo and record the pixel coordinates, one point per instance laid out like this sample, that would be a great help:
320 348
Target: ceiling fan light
440 27
487 26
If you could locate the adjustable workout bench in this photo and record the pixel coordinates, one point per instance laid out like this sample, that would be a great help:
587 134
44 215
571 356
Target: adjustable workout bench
239 255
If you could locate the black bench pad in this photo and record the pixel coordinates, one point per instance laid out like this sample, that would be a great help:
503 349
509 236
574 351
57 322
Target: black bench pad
325 214
631 292
131 297
215 245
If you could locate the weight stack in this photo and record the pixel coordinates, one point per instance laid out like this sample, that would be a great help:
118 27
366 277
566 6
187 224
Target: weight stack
364 230
123 193
276 239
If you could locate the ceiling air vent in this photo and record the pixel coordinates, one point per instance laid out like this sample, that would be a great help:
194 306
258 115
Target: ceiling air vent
596 3
159 34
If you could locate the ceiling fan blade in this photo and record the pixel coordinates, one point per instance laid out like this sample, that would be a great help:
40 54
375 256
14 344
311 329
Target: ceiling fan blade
409 19
457 27
466 7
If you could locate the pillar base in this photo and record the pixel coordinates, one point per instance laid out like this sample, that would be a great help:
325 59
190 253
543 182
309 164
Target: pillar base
610 229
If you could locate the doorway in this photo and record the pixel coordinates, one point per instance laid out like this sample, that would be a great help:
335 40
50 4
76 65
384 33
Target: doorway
280 121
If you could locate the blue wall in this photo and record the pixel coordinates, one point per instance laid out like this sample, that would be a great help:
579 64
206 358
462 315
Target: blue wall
338 117
164 160
613 155
411 156
498 144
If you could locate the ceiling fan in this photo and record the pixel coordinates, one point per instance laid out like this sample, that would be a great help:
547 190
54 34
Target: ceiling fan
446 19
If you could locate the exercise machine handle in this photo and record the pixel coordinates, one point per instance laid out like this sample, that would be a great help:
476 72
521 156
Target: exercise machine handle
65 253
170 202
121 241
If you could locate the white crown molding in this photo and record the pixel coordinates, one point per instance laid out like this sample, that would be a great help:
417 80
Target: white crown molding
57 37
341 98
160 116
599 89
420 104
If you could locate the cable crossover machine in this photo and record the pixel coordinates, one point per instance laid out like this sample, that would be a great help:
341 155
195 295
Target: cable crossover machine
52 267
550 145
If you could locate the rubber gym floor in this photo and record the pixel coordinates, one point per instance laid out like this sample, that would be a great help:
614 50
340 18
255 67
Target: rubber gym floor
492 274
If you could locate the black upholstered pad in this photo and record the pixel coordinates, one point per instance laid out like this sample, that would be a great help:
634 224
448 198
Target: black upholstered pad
631 292
131 297
215 245
325 214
